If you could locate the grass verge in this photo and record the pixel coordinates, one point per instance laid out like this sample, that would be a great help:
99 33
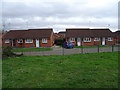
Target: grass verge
96 46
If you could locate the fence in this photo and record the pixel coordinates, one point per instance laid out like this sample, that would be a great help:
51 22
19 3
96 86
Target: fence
56 50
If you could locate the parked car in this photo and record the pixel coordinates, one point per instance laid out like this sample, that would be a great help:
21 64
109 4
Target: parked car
68 44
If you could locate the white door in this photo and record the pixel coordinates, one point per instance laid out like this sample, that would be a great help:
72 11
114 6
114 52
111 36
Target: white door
37 43
103 41
78 41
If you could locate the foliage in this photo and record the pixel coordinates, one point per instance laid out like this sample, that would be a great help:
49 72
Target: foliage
94 70
7 52
59 41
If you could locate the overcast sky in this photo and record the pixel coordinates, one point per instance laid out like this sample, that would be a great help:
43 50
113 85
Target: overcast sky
60 14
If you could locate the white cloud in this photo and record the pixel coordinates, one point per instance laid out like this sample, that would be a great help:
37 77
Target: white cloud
60 14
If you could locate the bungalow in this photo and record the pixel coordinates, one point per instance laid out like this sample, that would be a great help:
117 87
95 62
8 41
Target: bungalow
117 37
29 38
87 37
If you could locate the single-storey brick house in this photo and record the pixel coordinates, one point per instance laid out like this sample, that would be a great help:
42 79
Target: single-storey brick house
87 37
117 37
29 38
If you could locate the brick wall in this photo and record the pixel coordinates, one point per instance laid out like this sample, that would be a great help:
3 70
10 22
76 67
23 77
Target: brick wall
117 39
29 44
18 44
93 42
88 43
6 44
98 42
110 42
49 43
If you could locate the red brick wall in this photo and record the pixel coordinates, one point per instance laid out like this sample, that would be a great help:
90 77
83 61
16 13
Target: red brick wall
29 44
93 42
52 39
88 43
106 42
6 44
98 42
83 43
117 39
49 43
18 44
110 42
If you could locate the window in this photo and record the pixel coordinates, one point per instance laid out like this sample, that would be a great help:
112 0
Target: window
109 38
28 41
7 41
20 41
44 40
96 39
72 39
87 39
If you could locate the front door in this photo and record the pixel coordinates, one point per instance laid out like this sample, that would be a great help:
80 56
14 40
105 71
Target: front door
103 41
37 43
78 41
14 43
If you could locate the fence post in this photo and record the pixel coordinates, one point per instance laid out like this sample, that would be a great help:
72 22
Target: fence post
63 51
98 48
112 48
81 49
22 48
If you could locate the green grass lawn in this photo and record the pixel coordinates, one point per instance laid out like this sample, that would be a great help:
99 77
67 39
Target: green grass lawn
96 46
96 70
30 49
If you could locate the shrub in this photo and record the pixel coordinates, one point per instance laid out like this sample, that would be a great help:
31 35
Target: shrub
7 52
59 41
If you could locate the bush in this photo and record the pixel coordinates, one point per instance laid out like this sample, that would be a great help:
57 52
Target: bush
59 41
7 52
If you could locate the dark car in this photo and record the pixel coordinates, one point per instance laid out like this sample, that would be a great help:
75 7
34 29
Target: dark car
68 44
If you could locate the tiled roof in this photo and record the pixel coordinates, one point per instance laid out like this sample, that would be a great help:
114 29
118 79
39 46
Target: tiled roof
86 32
30 33
57 35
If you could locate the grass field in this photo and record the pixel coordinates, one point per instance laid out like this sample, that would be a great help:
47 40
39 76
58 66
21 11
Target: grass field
96 70
30 49
96 46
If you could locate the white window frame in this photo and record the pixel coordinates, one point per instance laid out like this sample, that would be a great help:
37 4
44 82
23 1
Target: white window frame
7 40
28 41
20 40
110 39
96 39
87 39
44 40
72 39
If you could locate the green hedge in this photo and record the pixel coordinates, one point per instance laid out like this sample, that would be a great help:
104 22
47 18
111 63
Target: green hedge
59 41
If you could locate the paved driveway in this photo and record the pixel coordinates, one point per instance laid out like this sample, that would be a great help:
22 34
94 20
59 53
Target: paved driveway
62 51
